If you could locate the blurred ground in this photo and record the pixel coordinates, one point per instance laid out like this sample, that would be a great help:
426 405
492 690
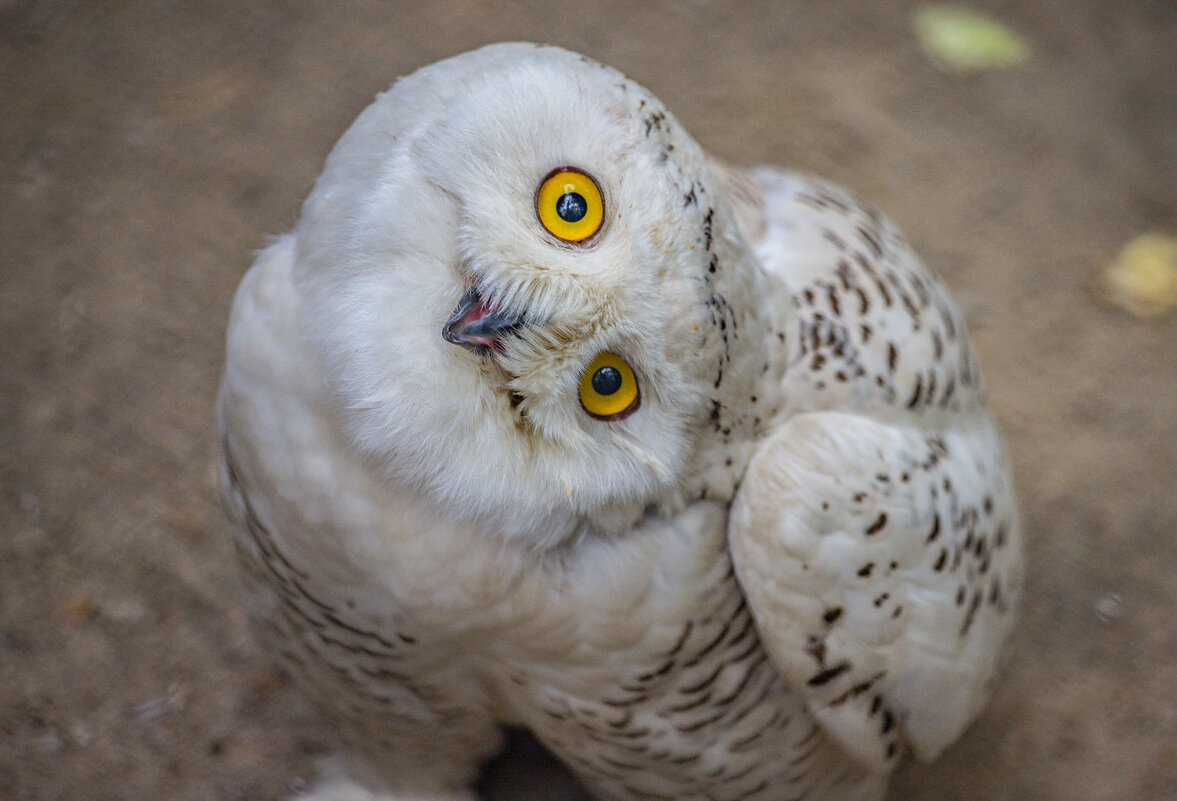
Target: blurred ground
147 147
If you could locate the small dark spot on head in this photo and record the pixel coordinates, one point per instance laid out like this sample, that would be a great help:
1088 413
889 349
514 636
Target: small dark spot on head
877 525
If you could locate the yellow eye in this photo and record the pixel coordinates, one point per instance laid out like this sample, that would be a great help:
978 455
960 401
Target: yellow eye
608 388
569 204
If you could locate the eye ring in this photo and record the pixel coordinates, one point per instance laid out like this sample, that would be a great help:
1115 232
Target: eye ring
608 388
569 204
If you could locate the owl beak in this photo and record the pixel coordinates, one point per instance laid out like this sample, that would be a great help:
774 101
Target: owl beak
477 326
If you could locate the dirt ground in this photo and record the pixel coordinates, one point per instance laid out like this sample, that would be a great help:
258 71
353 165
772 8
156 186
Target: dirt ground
146 148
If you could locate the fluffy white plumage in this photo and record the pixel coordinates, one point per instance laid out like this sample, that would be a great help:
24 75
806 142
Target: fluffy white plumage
793 556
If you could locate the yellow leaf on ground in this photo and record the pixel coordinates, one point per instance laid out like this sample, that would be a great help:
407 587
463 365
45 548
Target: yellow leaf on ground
1143 278
960 39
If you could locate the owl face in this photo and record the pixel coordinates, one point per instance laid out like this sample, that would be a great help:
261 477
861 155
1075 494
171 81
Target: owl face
503 276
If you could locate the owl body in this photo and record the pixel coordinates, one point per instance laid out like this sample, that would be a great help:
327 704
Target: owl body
746 584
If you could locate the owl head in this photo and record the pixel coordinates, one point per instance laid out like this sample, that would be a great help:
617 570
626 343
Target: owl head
526 292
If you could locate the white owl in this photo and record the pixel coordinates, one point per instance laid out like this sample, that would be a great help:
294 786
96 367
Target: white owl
541 417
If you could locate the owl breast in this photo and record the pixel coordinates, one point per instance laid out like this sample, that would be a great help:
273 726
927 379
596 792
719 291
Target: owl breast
691 710
645 677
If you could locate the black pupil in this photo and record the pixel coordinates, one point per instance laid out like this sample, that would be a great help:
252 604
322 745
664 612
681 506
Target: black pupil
571 207
606 381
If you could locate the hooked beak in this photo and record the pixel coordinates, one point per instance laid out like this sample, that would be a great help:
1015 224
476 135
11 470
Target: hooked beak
476 326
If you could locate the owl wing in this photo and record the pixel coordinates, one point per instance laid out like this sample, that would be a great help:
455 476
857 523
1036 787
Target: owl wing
875 532
880 565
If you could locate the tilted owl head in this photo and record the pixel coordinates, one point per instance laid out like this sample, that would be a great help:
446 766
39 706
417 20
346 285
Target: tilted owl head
509 271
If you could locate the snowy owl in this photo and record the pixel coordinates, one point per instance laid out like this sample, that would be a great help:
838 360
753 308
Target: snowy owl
541 417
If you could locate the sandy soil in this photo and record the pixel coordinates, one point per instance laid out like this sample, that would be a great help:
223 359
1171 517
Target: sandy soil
147 148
